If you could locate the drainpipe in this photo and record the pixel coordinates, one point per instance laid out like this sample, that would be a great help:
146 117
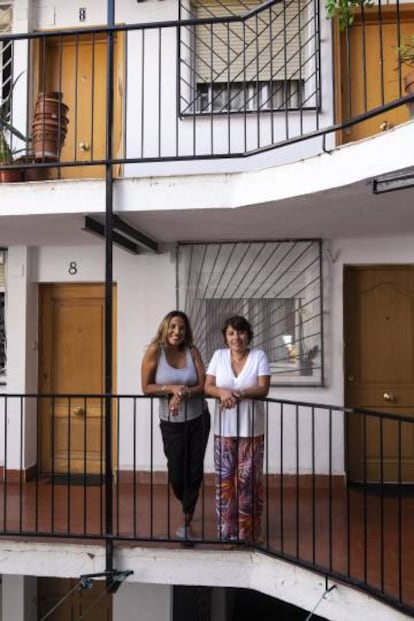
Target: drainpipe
109 288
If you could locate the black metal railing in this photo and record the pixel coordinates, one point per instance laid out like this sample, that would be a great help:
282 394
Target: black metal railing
338 493
205 87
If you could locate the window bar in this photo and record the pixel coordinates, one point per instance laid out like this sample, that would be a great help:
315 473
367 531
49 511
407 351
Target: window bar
349 64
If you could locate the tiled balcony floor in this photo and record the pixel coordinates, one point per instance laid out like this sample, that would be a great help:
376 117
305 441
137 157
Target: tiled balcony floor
365 537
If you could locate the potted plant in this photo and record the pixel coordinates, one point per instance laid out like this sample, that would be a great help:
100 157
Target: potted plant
306 358
405 54
8 135
344 11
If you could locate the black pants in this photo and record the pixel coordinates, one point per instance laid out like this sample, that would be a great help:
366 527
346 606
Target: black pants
184 447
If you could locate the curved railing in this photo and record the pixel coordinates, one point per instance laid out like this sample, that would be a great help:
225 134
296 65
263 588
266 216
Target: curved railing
337 492
205 88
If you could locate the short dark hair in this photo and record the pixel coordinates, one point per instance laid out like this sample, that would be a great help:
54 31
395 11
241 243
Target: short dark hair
239 323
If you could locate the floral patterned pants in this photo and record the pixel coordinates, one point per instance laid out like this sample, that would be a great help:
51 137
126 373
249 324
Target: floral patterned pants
239 487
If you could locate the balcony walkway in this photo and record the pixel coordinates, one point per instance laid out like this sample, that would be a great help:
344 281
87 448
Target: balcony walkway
349 533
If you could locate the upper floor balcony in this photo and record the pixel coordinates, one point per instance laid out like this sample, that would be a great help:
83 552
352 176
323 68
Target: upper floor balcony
178 88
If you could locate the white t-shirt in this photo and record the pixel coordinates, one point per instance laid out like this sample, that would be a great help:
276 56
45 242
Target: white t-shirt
250 421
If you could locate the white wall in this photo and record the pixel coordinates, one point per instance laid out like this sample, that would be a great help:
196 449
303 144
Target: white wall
145 293
48 15
143 602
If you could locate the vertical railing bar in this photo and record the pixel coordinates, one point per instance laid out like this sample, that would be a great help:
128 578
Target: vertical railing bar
142 91
38 454
211 89
102 460
5 476
382 480
297 478
85 464
68 463
76 97
179 86
281 480
52 507
159 89
21 401
330 491
118 480
228 115
313 485
365 499
134 465
300 98
6 413
152 468
348 494
266 430
400 517
381 46
258 141
364 58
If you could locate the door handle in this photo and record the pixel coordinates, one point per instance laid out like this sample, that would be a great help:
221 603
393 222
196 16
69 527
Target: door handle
78 412
84 146
388 396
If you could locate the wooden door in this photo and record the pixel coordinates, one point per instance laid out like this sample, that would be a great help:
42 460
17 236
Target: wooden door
76 66
71 359
91 604
376 81
379 371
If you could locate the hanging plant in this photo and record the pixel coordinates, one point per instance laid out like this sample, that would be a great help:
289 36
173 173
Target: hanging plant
344 10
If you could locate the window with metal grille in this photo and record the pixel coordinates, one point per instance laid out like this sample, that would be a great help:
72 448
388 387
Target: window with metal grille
5 51
276 285
266 62
2 313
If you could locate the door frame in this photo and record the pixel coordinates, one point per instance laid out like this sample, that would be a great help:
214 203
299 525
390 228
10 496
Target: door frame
41 424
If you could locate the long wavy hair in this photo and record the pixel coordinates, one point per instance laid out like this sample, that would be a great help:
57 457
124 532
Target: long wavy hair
161 337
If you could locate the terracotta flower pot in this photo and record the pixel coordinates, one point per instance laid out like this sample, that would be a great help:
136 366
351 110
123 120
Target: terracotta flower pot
12 175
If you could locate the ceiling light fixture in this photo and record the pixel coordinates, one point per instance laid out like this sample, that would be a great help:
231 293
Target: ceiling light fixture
392 183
